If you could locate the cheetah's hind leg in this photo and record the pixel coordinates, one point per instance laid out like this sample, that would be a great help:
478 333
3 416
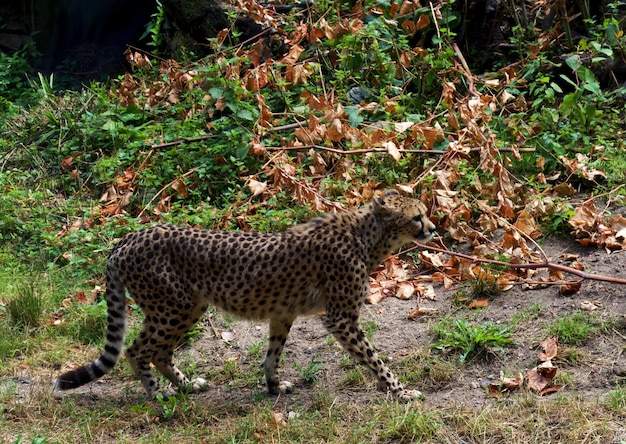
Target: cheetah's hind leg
157 345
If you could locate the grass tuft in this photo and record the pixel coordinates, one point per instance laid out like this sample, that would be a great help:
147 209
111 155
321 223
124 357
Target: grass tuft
471 339
26 309
574 329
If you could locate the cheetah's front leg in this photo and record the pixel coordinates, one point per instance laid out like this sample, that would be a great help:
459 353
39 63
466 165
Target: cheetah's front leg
352 338
279 329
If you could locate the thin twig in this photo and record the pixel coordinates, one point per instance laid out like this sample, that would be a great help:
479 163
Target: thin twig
468 73
184 140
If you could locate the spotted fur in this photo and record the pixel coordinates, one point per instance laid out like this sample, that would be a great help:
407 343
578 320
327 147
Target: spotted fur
174 273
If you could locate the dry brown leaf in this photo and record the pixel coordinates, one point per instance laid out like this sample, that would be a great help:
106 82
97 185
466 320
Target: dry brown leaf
265 114
341 28
378 292
446 280
336 131
432 134
564 189
539 379
423 21
408 26
549 347
313 134
393 150
257 187
422 311
434 259
569 257
407 7
505 206
570 288
447 94
256 148
526 224
405 290
426 291
504 281
590 305
505 384
179 186
278 419
479 303
293 55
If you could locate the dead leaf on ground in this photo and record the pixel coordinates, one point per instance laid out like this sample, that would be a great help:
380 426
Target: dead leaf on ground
422 311
426 291
405 290
591 305
539 379
549 347
257 187
505 384
570 288
479 303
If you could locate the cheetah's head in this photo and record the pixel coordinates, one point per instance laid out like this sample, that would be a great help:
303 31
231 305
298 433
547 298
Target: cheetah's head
403 218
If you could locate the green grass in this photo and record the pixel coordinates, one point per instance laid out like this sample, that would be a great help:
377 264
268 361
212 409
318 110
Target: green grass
470 339
617 399
86 323
574 329
310 372
26 308
530 313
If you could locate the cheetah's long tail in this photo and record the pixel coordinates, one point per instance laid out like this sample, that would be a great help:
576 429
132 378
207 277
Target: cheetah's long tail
116 328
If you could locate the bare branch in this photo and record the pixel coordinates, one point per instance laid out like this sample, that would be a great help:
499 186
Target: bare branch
530 265
373 150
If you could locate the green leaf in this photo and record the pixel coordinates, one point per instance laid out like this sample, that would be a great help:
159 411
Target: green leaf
573 62
216 92
556 87
353 115
245 114
569 101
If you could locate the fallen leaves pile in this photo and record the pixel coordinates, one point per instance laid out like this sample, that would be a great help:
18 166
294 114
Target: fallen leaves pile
539 379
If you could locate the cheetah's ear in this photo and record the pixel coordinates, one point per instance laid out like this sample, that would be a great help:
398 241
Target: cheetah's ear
380 201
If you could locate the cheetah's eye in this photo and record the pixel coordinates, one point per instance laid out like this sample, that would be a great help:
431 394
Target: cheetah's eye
417 218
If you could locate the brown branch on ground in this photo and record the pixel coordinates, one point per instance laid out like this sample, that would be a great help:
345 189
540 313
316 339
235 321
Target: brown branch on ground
374 150
530 265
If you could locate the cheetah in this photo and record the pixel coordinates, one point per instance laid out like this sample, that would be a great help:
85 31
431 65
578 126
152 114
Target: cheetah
174 273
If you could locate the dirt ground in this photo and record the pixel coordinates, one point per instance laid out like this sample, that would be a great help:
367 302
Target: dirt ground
599 365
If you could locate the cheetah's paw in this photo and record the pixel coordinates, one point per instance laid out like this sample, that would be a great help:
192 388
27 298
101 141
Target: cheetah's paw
409 395
285 387
198 384
166 394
